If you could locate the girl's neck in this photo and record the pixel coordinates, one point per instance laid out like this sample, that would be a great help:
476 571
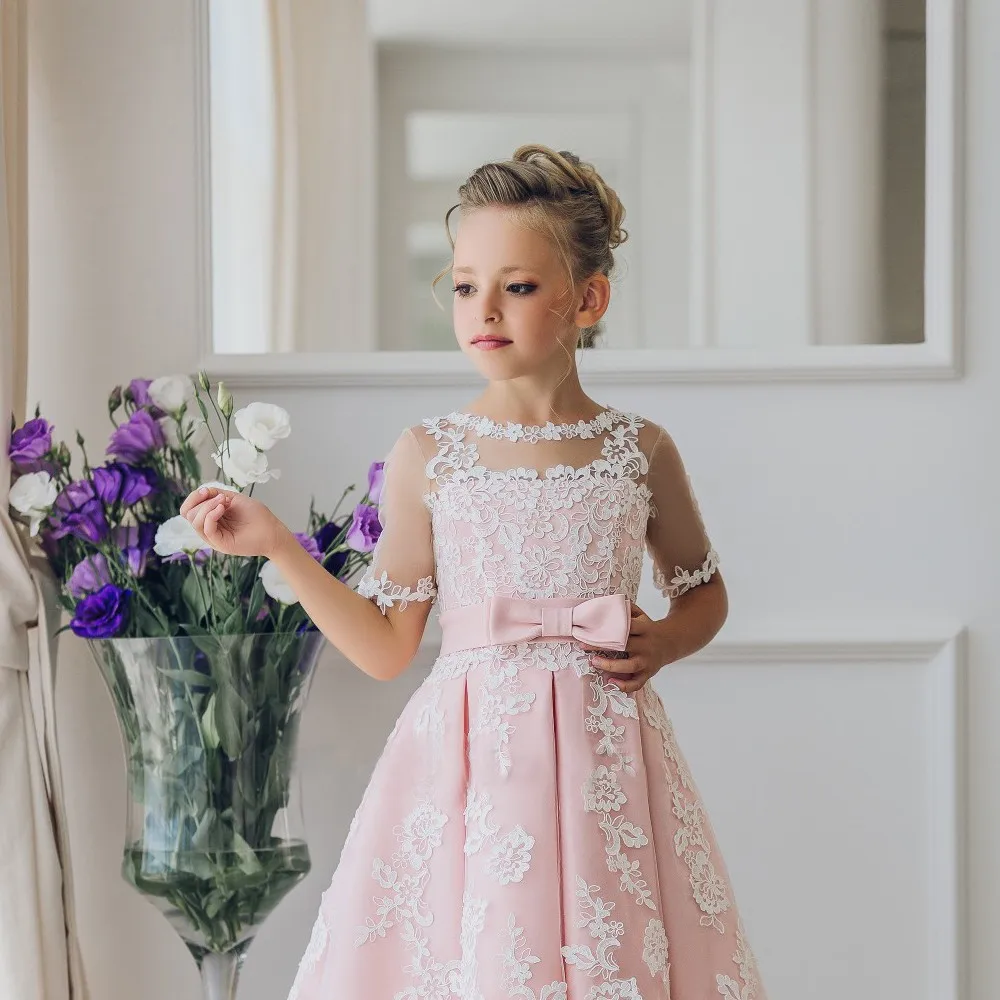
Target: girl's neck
502 402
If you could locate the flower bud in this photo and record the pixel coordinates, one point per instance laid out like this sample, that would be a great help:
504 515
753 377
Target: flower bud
115 399
203 381
225 400
79 439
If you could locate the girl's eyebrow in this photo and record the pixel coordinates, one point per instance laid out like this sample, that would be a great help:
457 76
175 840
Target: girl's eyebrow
503 270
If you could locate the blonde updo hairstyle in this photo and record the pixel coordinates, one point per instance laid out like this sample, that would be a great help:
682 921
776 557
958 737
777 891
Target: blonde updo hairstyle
560 196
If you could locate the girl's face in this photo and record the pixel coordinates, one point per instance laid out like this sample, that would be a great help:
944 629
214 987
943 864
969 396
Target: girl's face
513 305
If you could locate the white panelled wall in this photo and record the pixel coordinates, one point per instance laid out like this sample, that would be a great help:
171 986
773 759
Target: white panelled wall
856 523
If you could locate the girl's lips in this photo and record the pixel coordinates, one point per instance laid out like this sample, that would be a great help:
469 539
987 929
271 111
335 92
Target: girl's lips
490 343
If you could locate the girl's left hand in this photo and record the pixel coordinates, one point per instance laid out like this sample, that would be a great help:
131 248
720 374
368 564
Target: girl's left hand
646 649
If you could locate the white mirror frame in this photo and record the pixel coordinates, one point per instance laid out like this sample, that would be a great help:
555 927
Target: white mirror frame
938 357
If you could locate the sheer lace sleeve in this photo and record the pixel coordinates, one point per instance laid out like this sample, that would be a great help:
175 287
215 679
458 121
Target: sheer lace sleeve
402 566
676 539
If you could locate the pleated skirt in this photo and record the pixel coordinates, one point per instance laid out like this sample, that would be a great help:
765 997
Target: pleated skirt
529 831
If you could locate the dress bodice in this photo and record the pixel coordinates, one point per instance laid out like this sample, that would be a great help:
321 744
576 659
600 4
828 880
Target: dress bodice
473 509
567 530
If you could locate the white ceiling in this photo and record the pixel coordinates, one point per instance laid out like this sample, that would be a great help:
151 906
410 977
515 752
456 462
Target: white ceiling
665 24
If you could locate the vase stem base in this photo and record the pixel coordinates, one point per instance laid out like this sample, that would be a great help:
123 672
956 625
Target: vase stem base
220 973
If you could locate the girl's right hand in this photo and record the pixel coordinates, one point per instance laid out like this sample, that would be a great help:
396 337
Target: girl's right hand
233 523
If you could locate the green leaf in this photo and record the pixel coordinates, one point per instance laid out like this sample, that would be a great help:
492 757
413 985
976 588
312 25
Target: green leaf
193 594
230 719
233 625
205 838
248 859
180 760
193 678
209 730
256 602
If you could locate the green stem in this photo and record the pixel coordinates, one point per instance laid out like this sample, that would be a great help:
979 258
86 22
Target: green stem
201 589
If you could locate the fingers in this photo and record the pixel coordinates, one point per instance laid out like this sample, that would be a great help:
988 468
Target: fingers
198 516
200 495
627 682
212 530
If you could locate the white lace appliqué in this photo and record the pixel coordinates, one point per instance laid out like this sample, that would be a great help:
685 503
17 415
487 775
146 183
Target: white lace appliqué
387 594
691 841
683 580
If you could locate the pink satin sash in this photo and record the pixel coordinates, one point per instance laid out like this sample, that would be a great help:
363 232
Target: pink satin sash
599 621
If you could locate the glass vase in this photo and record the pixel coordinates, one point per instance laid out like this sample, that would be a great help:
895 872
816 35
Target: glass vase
214 828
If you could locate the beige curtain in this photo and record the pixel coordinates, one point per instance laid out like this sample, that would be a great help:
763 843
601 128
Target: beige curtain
39 950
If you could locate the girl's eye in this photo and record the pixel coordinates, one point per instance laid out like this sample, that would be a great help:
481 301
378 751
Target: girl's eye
517 288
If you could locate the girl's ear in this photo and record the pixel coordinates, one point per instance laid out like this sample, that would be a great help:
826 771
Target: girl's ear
594 299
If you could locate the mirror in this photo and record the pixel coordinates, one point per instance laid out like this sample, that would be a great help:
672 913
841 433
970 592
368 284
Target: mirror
770 156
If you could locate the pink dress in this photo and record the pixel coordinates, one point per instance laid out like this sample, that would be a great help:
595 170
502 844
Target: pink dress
530 830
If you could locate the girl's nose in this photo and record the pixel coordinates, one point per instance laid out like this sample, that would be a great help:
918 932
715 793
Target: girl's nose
490 302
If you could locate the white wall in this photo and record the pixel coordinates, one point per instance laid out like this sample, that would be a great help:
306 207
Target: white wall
838 509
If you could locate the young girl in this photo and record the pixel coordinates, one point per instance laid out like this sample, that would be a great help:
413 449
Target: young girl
531 829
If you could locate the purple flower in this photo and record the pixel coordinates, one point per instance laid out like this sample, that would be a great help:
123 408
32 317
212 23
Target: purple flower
77 511
376 480
135 542
102 615
116 483
136 438
29 444
365 528
324 539
88 575
138 390
309 544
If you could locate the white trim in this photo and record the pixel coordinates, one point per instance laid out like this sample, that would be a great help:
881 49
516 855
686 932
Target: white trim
203 176
944 222
938 357
598 367
702 292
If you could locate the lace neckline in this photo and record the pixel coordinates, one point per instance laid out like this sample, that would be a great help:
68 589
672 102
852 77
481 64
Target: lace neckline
511 431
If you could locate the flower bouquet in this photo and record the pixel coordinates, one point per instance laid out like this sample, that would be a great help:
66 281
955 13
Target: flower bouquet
208 658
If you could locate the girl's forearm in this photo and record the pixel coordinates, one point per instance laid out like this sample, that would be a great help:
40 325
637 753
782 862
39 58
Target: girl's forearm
352 623
694 619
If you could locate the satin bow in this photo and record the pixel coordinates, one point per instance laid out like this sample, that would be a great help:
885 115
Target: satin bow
599 621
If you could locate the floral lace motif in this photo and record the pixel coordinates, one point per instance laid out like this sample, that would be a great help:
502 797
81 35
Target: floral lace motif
600 960
531 433
510 859
517 963
691 841
403 908
387 593
683 580
603 793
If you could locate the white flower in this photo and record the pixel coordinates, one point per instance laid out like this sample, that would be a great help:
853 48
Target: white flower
33 494
192 427
243 463
214 483
263 424
275 585
171 392
177 535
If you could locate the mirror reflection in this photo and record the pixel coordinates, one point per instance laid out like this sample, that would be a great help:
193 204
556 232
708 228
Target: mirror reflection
771 162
